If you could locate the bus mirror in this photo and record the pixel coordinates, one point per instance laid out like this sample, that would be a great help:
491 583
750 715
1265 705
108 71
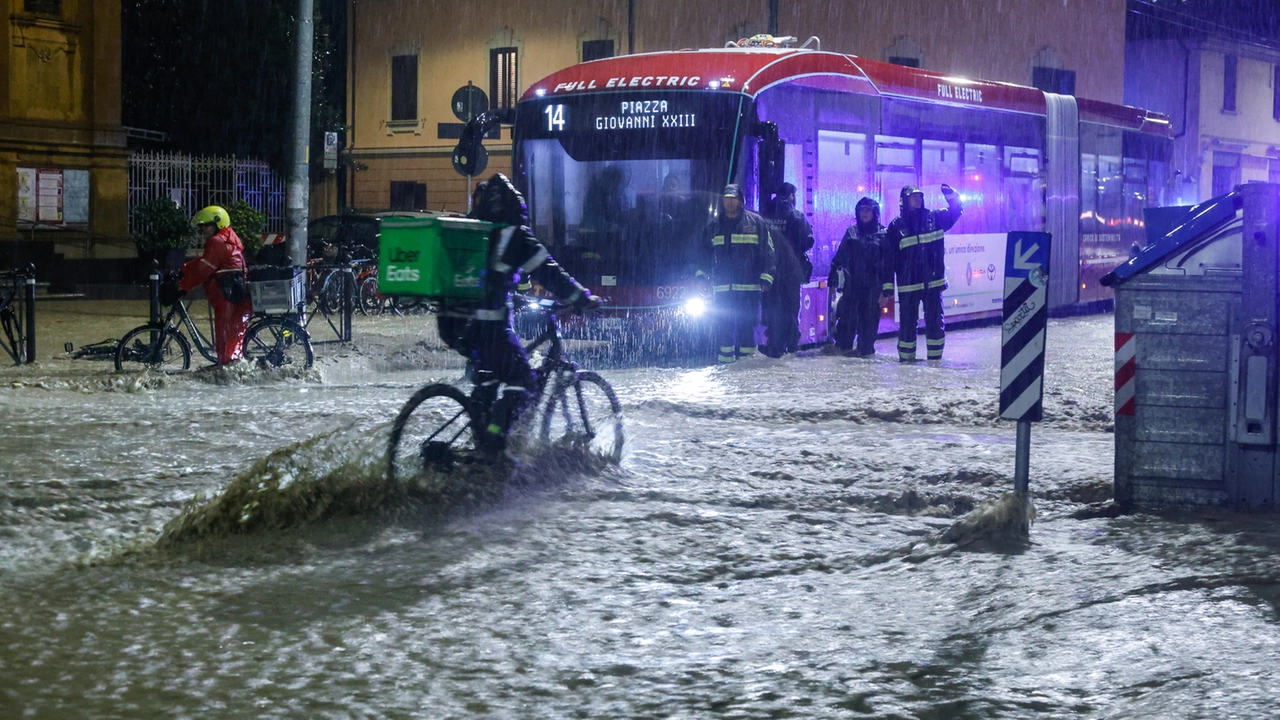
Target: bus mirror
771 160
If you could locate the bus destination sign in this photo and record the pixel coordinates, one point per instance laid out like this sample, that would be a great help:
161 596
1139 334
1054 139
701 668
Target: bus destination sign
625 115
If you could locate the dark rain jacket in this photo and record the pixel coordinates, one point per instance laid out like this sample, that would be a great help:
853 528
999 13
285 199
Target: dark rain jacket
861 256
914 249
741 253
791 224
513 250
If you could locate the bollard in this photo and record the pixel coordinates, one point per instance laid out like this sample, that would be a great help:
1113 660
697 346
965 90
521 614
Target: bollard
1022 459
348 284
155 292
30 300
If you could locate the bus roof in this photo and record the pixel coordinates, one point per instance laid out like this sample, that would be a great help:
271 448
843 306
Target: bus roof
751 70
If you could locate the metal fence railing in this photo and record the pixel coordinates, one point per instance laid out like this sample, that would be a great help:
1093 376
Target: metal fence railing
194 182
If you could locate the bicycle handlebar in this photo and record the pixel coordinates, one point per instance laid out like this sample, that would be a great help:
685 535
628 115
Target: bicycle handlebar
521 300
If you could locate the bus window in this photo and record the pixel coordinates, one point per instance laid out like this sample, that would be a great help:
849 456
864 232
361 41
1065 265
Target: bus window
828 156
1023 189
940 165
843 177
895 169
980 189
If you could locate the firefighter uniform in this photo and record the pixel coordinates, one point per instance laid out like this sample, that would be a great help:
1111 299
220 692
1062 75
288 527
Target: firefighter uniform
858 270
741 265
793 240
915 253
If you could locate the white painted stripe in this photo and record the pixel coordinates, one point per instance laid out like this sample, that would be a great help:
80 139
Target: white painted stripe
1025 357
1011 327
1126 353
1126 393
1019 407
1011 284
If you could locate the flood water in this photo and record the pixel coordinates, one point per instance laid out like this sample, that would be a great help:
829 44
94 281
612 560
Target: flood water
815 536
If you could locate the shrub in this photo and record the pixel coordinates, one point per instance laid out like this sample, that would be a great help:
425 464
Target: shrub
163 226
248 224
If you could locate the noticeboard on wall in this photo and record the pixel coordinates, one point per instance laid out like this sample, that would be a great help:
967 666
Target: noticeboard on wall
53 196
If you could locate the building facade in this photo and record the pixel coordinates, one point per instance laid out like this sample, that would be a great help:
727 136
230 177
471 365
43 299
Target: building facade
408 58
63 162
1223 98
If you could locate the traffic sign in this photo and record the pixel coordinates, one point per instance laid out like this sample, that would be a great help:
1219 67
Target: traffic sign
331 151
468 101
470 161
1026 313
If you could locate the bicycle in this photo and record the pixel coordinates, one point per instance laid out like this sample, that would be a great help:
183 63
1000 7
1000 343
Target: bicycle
273 340
14 338
437 428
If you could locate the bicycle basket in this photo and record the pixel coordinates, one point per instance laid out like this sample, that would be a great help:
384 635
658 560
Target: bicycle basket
434 257
276 290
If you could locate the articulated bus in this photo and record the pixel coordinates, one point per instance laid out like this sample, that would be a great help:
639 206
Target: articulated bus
623 159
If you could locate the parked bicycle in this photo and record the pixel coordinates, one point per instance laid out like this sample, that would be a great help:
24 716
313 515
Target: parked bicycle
13 329
437 428
274 340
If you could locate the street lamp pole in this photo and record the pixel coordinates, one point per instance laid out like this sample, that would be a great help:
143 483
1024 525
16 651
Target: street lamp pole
296 196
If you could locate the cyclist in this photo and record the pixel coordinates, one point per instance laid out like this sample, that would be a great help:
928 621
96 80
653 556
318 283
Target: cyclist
221 266
481 330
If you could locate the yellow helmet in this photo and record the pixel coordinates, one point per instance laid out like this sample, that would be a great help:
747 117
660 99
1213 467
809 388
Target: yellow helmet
212 214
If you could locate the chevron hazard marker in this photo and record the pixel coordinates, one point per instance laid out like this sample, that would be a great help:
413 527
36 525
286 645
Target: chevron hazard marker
1026 313
1126 373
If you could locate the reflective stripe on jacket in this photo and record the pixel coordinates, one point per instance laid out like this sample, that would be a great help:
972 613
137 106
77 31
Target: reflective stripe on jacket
742 253
915 251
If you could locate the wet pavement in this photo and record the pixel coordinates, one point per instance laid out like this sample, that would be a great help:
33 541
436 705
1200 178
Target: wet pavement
815 536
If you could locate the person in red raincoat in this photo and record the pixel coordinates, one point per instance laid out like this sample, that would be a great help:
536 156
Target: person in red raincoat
223 254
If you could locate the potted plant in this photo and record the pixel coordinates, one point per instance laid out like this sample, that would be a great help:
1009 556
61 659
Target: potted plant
164 233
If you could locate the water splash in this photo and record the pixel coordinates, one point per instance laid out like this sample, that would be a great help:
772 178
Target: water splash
343 473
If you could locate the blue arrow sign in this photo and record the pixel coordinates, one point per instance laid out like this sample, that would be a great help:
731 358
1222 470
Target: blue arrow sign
1026 314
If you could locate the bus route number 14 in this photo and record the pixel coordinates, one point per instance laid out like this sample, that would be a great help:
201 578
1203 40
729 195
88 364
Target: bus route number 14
555 118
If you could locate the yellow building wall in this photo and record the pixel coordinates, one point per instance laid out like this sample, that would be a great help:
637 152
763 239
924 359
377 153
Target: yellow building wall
60 109
994 40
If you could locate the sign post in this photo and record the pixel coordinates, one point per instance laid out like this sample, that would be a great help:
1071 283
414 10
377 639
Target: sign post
1026 314
467 102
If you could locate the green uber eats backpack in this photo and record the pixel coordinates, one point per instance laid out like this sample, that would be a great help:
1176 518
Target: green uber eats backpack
439 258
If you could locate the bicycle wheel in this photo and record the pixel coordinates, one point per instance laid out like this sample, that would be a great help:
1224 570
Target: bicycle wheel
433 432
372 302
580 408
330 297
150 348
17 341
278 342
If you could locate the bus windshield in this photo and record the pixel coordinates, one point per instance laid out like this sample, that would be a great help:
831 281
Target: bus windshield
621 187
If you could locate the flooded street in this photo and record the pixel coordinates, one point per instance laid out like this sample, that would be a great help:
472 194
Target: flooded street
815 536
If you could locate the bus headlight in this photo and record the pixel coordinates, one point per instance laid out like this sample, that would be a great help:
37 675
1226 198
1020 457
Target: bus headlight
695 307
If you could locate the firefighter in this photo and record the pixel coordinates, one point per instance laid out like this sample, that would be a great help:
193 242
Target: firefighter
481 330
740 267
782 304
221 266
915 253
858 270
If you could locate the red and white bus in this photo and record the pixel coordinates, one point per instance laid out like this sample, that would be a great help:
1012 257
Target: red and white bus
623 159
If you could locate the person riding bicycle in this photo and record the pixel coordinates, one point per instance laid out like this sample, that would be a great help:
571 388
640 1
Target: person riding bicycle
481 330
221 269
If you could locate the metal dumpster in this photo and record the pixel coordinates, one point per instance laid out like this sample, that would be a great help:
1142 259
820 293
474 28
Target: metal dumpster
1196 355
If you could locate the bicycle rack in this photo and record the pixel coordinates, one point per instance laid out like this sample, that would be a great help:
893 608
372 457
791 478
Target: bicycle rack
18 331
346 306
